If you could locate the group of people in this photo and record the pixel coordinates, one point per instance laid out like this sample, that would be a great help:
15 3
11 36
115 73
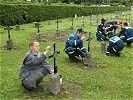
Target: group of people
106 31
35 65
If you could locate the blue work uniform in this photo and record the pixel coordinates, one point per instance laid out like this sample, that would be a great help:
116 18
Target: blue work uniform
115 45
74 46
100 33
126 34
113 26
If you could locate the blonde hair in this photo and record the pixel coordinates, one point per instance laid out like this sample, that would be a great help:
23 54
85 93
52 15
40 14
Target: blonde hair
32 43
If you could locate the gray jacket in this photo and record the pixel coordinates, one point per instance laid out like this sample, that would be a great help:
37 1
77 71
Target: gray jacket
34 67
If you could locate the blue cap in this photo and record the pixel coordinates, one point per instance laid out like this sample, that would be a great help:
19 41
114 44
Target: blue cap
80 30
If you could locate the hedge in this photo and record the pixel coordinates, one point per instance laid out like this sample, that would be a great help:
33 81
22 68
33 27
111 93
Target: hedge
20 14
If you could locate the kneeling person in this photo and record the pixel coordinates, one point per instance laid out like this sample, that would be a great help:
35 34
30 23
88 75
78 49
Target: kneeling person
34 67
115 45
74 45
126 34
100 33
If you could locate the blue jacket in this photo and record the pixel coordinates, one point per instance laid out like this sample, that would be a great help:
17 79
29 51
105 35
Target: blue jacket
74 41
100 33
126 34
116 43
100 28
113 23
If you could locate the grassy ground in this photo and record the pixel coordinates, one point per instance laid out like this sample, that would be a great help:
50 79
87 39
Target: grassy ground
110 78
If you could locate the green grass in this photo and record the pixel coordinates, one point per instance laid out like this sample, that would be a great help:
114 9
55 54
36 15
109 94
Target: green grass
110 78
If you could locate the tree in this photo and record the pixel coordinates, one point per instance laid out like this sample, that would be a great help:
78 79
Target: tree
124 2
130 2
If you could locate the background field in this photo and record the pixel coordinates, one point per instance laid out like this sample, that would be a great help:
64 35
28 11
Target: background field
110 78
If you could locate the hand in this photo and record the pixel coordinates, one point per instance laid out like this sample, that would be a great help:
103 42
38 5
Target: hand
83 37
111 26
51 71
47 49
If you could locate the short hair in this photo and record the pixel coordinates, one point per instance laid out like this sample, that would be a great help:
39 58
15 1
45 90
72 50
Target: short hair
80 30
125 24
32 43
103 20
120 22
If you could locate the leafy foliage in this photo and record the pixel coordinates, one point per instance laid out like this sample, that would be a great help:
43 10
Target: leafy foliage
31 13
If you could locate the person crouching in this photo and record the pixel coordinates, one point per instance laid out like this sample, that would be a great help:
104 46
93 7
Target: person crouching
74 45
115 45
35 66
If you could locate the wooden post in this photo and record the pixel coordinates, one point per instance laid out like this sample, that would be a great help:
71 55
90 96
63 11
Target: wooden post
72 27
55 83
55 78
87 60
97 19
37 35
17 24
82 21
17 27
57 30
90 20
49 20
103 47
9 42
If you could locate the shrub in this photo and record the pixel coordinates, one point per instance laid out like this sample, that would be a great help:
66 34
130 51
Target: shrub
26 13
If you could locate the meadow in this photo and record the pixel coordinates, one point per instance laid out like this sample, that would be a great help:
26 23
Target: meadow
109 77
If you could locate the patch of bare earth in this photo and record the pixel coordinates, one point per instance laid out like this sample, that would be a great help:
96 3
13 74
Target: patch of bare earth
61 36
68 91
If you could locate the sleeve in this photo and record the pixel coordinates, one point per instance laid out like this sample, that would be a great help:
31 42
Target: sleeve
100 28
79 41
47 66
71 41
122 32
33 60
110 45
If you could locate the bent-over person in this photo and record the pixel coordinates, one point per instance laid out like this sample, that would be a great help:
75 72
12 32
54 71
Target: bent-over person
74 45
115 45
126 34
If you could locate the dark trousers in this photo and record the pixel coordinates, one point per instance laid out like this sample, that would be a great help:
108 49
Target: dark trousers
75 52
113 52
